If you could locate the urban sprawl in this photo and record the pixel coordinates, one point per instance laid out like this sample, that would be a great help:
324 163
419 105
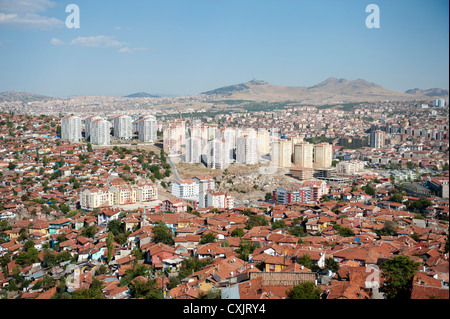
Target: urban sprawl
286 203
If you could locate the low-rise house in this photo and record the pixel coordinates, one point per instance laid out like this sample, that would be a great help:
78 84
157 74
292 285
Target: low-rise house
211 250
188 241
131 223
56 225
174 205
157 253
104 216
276 263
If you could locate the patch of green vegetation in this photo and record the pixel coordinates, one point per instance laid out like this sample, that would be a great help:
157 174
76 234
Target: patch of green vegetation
320 139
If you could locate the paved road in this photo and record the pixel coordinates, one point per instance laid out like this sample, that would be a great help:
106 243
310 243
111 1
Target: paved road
173 168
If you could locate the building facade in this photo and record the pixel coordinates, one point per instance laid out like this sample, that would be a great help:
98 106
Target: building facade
123 128
323 155
71 128
303 155
246 150
100 132
147 129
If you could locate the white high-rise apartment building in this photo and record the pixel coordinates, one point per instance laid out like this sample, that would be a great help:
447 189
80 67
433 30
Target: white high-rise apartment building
246 150
439 102
199 131
100 132
71 128
216 155
197 142
193 150
281 153
205 184
250 131
323 155
123 128
303 155
229 135
377 139
212 128
87 125
147 129
174 136
263 141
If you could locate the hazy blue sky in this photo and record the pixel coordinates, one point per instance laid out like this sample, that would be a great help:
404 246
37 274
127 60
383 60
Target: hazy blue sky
191 46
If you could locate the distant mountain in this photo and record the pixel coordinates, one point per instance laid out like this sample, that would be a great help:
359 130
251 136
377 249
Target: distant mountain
11 96
332 90
343 86
229 90
142 94
435 92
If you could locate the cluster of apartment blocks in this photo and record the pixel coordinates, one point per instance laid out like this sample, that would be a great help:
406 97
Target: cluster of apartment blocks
218 147
98 129
199 192
304 192
117 194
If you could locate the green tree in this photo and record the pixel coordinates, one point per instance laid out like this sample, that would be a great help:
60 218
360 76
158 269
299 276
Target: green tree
396 197
131 273
49 258
331 264
256 220
305 260
163 234
246 248
369 189
110 245
208 238
419 206
237 232
89 231
392 178
398 274
64 207
93 292
298 228
191 265
116 227
344 231
304 290
278 224
145 289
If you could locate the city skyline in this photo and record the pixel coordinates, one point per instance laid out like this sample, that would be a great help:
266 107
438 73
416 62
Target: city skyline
187 48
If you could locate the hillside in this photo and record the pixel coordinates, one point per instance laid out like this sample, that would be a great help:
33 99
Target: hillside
331 90
434 92
11 96
142 94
